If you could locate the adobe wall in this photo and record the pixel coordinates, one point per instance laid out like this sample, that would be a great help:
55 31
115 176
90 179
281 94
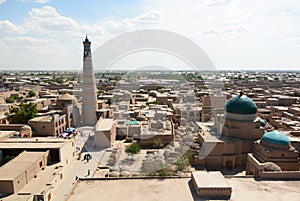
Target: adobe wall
280 175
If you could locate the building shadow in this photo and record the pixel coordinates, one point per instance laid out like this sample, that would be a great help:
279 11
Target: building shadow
193 192
235 171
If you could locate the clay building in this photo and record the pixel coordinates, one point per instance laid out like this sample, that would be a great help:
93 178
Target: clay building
272 153
105 132
51 125
226 142
19 171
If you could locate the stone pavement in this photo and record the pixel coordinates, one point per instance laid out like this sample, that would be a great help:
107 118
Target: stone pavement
80 167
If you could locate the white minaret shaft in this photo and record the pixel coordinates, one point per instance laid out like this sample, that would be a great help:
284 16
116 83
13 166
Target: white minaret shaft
89 98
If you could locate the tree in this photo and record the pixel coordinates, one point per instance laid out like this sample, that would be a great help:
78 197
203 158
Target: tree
10 99
59 80
31 93
157 143
109 101
181 163
132 149
23 113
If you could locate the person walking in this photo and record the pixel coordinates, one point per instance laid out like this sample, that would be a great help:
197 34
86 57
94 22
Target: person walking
89 172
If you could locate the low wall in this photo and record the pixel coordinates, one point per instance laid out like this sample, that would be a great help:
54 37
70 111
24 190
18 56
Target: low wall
295 175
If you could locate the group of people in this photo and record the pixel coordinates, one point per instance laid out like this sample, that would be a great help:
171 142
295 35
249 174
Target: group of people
87 157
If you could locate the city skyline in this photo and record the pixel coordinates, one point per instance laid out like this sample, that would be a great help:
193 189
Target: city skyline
236 35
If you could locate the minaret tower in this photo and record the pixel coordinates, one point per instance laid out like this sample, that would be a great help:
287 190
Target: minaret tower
89 98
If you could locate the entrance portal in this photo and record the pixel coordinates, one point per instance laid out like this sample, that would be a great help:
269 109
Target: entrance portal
229 164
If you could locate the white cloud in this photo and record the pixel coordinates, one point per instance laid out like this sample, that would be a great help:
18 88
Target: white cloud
48 21
231 29
151 17
2 1
8 28
27 41
147 19
232 32
58 33
217 2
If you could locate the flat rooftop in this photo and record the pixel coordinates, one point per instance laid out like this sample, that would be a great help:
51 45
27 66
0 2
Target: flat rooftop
32 143
209 136
181 189
36 139
213 179
19 164
6 134
40 183
43 118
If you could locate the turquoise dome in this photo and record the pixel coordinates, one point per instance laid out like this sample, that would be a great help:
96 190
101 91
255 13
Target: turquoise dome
240 104
275 137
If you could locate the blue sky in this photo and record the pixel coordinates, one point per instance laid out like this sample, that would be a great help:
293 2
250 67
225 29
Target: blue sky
236 34
16 10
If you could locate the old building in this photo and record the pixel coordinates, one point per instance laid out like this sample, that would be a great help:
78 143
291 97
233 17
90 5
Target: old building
227 142
105 133
273 153
19 171
51 125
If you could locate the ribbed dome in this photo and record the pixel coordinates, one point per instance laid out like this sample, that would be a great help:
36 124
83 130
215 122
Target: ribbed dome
240 104
275 137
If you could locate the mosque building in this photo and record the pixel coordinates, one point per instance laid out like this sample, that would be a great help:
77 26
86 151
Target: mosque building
226 143
273 152
238 138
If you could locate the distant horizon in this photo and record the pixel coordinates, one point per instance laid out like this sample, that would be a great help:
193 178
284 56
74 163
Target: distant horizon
122 70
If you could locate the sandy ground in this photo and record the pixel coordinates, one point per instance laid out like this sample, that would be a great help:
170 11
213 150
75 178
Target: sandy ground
182 189
133 190
250 189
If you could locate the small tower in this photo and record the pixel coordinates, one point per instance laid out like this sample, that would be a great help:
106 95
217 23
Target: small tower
89 98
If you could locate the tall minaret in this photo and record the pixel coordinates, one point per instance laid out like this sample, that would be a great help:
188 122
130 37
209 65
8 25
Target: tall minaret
89 98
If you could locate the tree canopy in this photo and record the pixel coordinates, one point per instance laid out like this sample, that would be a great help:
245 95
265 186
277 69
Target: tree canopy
31 93
132 149
23 113
10 99
157 143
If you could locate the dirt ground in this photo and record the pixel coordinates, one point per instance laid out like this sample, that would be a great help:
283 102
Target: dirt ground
182 190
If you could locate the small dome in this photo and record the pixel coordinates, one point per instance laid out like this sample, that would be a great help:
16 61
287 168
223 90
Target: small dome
240 104
275 137
262 122
141 118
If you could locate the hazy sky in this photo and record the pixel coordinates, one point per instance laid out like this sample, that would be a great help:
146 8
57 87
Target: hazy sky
236 34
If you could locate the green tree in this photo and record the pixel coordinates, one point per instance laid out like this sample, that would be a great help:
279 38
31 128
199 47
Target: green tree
10 99
165 171
132 149
157 143
31 94
23 113
181 163
109 101
59 80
